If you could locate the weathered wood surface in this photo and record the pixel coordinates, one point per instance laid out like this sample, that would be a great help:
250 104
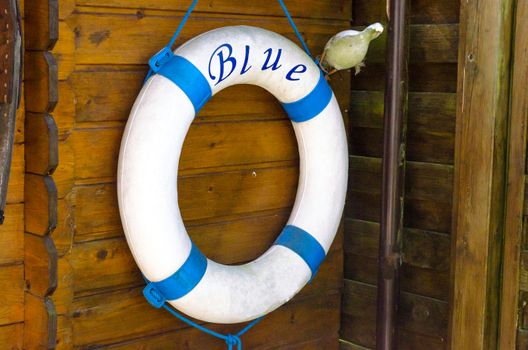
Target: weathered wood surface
515 191
238 174
41 159
478 204
429 176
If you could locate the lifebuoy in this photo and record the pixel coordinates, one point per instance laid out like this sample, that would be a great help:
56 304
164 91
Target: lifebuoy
148 166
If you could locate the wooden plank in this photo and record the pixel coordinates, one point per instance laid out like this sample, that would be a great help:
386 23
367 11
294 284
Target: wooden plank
40 204
420 315
106 265
430 123
206 145
98 321
482 111
11 336
40 325
12 287
201 197
64 113
414 279
41 149
63 234
422 11
41 19
340 9
40 262
11 235
102 36
421 248
513 227
40 79
64 50
15 187
429 43
423 77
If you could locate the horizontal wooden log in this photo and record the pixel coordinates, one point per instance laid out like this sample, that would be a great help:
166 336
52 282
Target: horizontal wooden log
418 314
102 37
12 287
40 262
12 335
15 187
201 198
206 145
98 321
340 9
106 94
106 265
11 235
40 204
422 11
40 79
41 148
64 50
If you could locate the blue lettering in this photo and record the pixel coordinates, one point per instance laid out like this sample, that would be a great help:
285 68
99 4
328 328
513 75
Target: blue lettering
219 52
275 65
298 69
245 67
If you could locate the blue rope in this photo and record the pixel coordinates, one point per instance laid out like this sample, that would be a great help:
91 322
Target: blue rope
292 23
165 53
155 64
230 339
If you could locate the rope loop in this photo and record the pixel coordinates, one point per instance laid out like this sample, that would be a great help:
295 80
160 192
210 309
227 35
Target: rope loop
165 54
232 340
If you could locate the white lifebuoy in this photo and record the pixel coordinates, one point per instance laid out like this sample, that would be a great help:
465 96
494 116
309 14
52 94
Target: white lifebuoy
148 168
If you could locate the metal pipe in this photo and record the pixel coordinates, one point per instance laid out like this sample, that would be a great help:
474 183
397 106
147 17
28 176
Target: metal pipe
393 175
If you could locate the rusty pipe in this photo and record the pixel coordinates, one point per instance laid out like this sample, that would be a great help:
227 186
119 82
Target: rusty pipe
393 175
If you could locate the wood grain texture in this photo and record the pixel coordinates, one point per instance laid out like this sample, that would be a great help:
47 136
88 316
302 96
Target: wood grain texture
40 204
40 72
40 262
40 326
515 197
482 110
42 154
41 19
11 336
12 287
11 235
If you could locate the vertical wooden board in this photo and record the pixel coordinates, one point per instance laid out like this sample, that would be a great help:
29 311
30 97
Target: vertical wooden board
515 198
12 235
12 287
64 333
11 336
63 234
484 70
64 113
64 50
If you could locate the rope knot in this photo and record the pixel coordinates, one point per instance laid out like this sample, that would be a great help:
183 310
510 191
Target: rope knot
232 340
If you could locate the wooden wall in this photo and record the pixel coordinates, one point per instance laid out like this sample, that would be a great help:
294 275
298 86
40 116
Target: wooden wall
425 282
238 175
12 248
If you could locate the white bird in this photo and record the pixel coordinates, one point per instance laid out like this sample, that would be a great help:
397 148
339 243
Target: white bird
348 49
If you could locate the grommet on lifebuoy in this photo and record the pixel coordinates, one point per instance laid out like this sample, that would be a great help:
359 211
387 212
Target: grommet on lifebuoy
148 166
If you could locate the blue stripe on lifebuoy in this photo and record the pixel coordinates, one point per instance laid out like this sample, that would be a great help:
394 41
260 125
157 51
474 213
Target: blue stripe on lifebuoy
311 105
188 78
181 282
304 244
